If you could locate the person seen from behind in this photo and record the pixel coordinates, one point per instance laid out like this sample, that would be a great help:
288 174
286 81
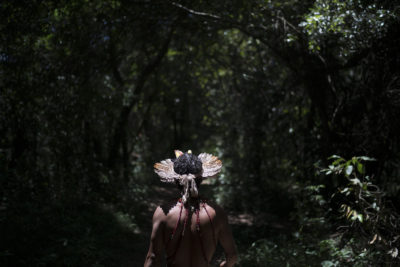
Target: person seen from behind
189 231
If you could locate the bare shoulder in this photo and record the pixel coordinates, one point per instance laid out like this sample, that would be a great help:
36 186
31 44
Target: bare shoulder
164 208
217 208
217 212
159 215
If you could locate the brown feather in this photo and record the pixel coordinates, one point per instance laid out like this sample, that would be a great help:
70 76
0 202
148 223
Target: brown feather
165 169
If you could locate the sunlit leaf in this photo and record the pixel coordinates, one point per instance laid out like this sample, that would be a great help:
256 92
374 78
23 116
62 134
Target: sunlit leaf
355 181
349 170
367 158
360 168
393 252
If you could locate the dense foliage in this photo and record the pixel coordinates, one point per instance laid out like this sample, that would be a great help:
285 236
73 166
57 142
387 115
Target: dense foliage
94 92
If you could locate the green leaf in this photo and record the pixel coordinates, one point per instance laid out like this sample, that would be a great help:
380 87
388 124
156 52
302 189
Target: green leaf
336 162
366 158
393 252
349 170
344 190
328 264
360 168
355 181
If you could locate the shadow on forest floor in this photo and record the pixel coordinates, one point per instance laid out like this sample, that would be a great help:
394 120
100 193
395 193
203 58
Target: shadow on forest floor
78 234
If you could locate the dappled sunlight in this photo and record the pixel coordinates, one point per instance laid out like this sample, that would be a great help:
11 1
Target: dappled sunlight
299 100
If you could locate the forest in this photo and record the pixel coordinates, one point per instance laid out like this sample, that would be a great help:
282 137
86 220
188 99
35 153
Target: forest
299 99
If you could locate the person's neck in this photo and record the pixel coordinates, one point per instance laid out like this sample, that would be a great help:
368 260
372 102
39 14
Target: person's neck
193 202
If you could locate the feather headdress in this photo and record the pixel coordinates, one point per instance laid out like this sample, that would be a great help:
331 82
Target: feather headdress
211 166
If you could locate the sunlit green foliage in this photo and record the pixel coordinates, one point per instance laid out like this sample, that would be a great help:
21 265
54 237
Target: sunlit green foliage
363 236
353 24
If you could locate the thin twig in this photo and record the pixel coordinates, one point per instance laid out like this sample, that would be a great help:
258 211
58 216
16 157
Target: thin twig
197 13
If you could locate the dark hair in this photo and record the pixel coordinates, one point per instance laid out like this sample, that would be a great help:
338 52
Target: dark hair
187 163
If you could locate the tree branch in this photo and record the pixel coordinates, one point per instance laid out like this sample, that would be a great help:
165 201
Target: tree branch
126 110
197 13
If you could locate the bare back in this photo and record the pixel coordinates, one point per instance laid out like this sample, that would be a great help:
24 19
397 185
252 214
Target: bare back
189 236
195 245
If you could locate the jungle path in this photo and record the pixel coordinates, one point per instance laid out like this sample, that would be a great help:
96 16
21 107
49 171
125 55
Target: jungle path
246 227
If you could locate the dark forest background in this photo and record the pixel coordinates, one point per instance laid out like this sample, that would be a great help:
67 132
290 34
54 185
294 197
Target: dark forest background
300 100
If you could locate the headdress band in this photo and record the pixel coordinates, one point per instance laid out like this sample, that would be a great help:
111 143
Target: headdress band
211 166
